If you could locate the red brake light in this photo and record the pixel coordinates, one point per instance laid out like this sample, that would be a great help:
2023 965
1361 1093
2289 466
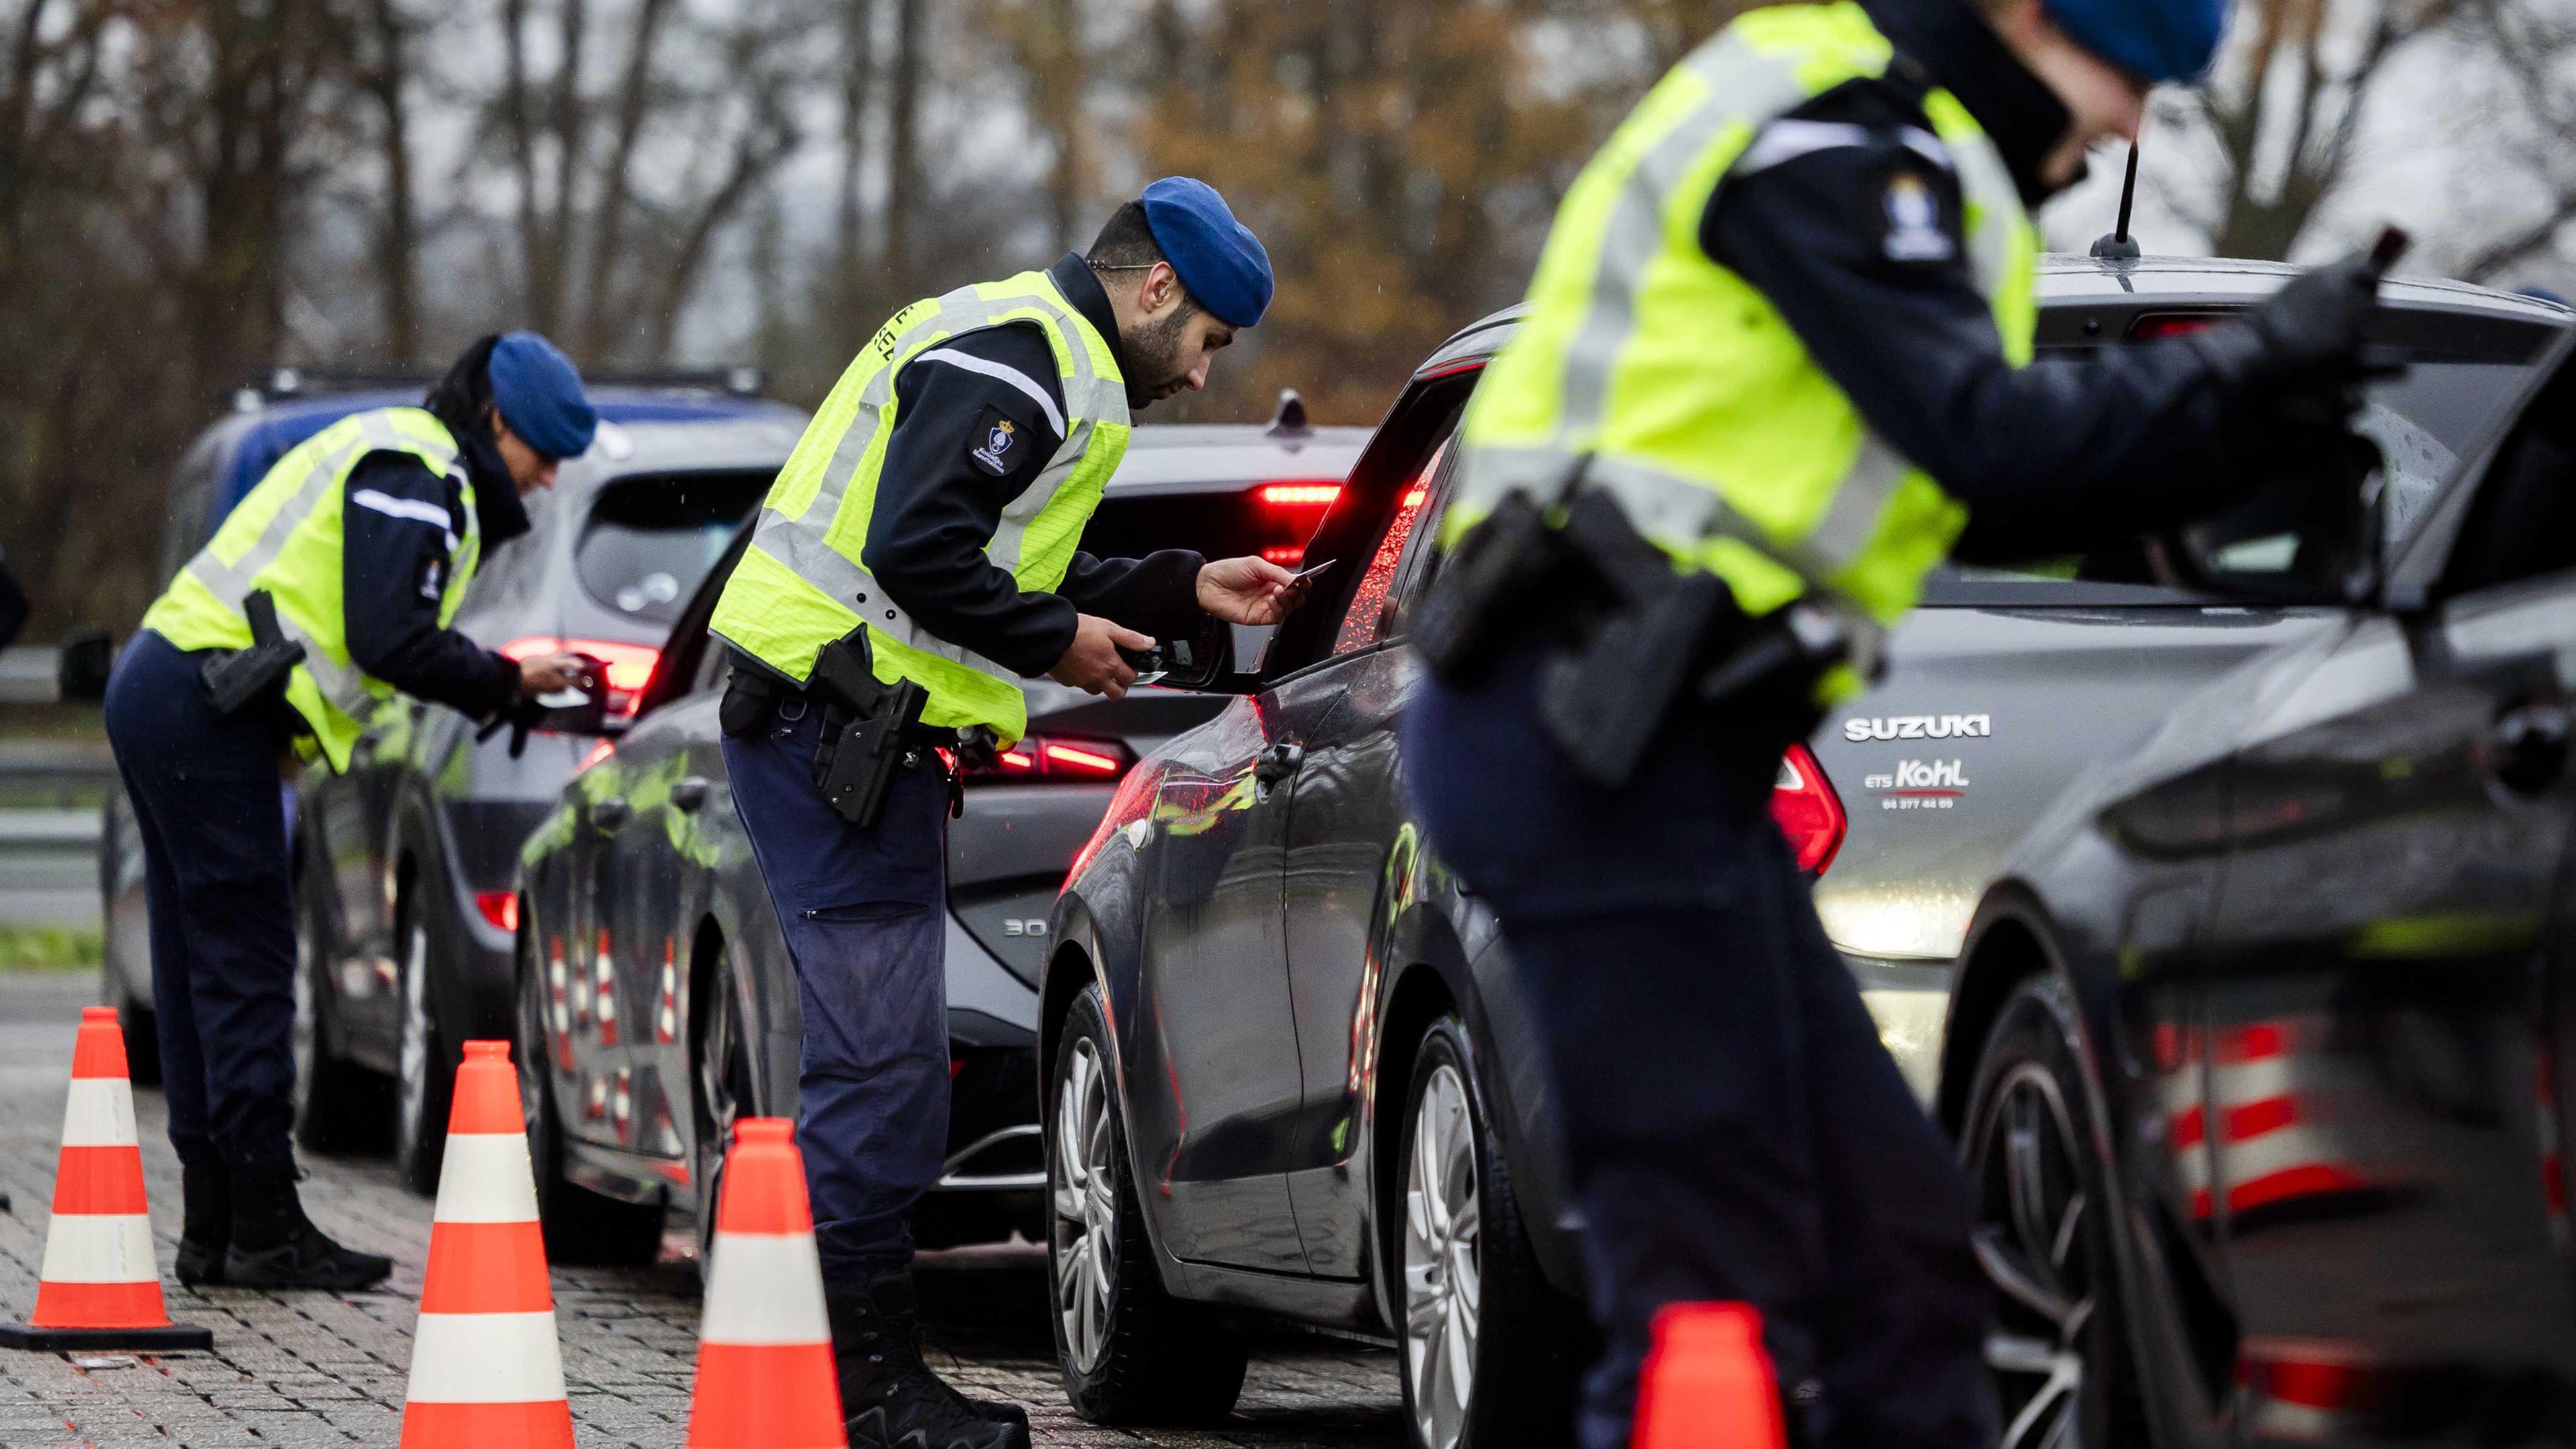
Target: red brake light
1074 759
630 666
1057 759
1286 557
2148 329
501 908
1808 812
1300 495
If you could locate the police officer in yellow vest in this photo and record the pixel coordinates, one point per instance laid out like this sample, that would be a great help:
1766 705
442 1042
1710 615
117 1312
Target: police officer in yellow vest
1777 364
329 587
936 500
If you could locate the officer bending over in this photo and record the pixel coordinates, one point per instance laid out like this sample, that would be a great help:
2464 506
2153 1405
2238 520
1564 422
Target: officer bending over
326 590
1709 469
936 501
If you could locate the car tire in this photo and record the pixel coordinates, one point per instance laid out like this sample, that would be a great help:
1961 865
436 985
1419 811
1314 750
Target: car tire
424 1056
336 1103
720 1095
1487 1349
1130 1352
580 1226
2059 1345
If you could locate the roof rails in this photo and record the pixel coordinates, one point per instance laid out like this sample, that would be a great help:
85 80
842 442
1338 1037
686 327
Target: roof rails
279 383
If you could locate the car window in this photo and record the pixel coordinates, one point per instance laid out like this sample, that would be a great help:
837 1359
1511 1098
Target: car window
649 541
1272 519
2521 521
2421 420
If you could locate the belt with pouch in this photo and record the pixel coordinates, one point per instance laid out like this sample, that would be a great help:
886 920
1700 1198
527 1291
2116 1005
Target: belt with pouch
872 731
1633 641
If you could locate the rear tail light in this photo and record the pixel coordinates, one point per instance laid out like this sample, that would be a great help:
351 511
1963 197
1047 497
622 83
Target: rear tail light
630 666
2148 329
1287 557
501 908
1300 495
598 752
1808 812
1057 759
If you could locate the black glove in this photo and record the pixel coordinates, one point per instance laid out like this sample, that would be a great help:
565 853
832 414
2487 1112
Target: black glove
2304 338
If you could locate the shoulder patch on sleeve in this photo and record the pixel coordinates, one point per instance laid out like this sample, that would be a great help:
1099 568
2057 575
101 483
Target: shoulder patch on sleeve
996 445
1914 232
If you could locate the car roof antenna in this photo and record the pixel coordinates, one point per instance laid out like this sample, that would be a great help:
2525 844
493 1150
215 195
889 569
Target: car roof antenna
2119 246
1291 416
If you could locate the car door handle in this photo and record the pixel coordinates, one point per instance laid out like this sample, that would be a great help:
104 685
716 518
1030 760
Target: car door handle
2528 751
610 813
1278 762
689 795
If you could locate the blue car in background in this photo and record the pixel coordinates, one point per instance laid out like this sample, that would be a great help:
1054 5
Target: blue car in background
721 440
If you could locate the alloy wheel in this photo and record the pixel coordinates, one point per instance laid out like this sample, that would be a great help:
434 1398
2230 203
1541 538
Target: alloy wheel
2033 1242
1441 1284
412 1065
1086 1205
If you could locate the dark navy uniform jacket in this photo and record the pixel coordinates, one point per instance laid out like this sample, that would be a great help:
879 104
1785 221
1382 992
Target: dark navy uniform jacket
395 520
2058 456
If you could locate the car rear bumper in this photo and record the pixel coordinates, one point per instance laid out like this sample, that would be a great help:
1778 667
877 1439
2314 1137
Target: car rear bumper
1910 1000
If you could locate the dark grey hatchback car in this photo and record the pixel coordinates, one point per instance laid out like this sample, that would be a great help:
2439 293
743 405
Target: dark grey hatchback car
2260 1052
1289 1070
656 1002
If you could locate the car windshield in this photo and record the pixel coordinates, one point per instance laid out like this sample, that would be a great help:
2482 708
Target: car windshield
649 541
2421 421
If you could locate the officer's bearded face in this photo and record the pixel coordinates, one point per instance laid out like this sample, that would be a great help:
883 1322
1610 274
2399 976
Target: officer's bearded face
1171 353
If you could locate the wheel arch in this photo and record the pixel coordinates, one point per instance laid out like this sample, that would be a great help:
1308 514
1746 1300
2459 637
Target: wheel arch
2008 942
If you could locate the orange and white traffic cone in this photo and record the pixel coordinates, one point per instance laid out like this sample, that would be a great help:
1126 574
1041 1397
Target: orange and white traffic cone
100 1287
1707 1381
486 1370
765 1375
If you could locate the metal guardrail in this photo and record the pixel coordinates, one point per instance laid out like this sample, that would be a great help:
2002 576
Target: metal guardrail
27 674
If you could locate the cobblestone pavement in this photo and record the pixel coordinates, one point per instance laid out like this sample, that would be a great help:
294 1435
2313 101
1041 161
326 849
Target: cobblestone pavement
317 1369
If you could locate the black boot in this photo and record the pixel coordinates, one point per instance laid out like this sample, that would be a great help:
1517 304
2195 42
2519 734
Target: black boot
890 1397
206 1221
276 1246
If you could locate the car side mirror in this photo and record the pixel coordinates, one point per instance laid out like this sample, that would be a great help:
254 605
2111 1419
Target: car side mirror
1203 663
2314 538
80 672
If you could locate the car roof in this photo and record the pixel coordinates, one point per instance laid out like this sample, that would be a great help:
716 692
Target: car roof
2066 279
1196 457
249 442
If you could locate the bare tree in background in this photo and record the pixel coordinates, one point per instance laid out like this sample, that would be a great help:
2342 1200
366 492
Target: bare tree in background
2276 124
2530 133
608 260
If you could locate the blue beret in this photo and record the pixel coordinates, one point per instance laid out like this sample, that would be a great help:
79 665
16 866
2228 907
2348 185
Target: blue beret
2158 40
1218 258
539 395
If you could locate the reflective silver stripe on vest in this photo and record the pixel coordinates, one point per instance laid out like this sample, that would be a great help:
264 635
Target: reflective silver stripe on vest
1750 88
802 542
233 581
1744 87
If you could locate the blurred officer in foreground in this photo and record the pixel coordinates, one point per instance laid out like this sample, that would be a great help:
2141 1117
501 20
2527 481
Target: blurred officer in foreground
914 560
326 590
1777 363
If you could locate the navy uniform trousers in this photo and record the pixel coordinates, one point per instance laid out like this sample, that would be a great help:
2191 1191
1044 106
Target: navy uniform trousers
218 884
1733 1128
865 917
